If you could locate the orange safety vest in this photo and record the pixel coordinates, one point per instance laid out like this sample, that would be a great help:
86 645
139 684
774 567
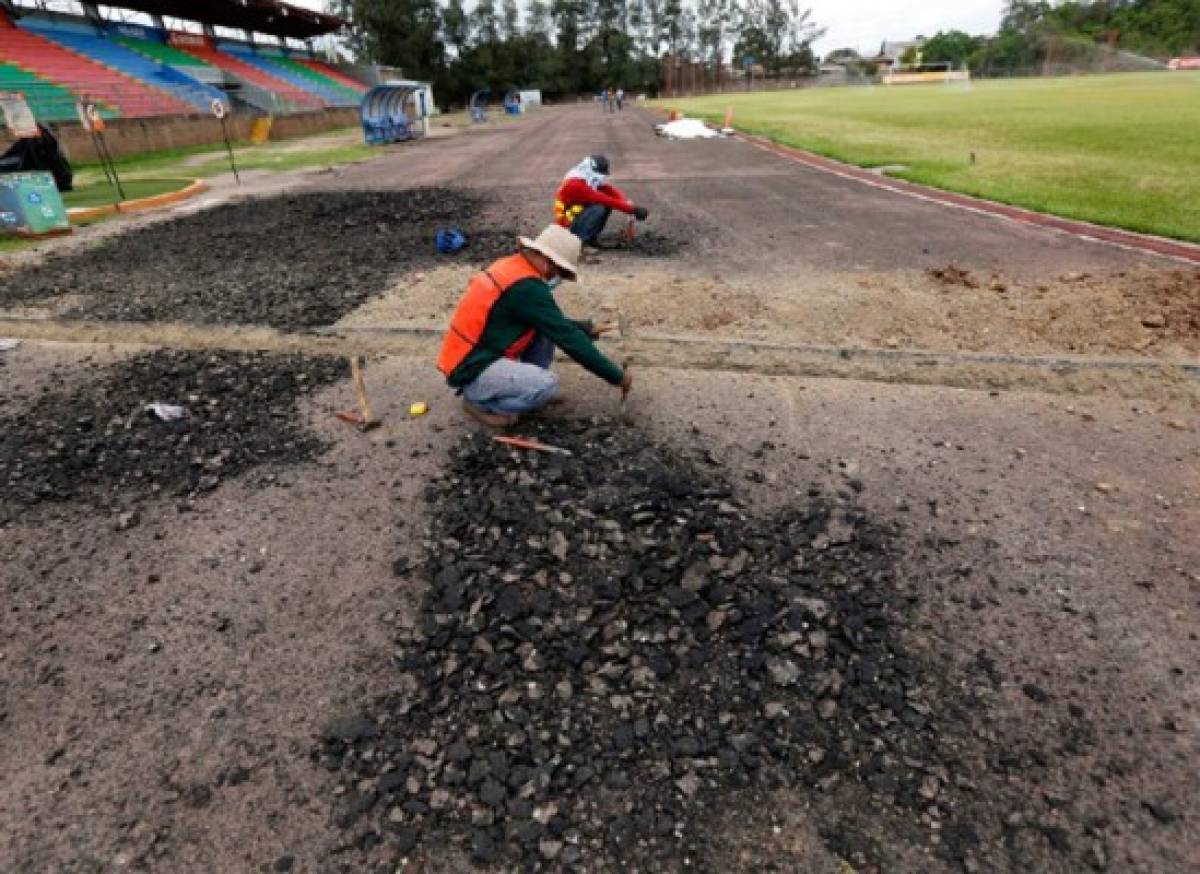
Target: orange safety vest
471 315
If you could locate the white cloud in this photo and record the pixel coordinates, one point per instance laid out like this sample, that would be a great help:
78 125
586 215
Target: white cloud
864 24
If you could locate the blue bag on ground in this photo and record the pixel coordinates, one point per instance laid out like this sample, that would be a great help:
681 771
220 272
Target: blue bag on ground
450 240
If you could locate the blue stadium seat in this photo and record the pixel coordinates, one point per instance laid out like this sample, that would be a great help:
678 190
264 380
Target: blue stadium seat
264 62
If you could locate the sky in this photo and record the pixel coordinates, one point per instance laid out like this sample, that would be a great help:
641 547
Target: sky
864 24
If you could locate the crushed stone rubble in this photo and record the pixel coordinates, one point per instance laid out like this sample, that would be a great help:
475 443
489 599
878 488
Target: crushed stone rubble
612 647
293 261
98 440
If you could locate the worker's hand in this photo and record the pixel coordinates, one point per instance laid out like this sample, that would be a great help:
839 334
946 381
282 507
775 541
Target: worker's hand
626 382
601 328
640 213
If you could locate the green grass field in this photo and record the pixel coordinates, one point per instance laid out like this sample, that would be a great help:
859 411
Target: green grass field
1121 150
103 193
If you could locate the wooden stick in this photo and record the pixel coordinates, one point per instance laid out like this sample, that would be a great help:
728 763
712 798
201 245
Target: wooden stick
360 389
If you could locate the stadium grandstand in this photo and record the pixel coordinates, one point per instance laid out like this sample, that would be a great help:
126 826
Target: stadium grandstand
148 58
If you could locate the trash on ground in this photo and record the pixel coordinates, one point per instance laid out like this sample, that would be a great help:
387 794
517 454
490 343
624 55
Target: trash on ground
686 129
420 408
166 412
450 240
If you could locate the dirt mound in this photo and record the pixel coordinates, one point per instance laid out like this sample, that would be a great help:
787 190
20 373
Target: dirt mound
952 274
611 648
1169 303
296 261
97 440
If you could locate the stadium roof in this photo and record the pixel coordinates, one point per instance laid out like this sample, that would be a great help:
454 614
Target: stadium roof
261 16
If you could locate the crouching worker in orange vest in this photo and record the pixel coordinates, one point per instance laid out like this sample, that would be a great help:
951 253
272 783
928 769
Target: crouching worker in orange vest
498 349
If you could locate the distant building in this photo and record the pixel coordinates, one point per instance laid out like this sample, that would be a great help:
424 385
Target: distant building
833 74
891 52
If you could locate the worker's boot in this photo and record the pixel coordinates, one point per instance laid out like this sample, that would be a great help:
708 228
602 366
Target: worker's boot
492 420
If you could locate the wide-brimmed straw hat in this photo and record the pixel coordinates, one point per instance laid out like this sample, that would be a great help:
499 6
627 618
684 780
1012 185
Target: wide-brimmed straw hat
560 246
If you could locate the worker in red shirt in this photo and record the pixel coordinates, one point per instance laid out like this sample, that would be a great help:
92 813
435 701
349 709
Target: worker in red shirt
586 199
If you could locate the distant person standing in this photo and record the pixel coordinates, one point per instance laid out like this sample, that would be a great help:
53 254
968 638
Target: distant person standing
620 99
604 100
612 100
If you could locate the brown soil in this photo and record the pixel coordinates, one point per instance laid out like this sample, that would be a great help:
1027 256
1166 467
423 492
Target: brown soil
162 684
951 311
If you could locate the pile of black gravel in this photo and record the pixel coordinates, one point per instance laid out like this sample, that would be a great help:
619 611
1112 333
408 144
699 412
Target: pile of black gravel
613 652
97 440
294 261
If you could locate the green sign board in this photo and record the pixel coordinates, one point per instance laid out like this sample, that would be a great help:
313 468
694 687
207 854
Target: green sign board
30 204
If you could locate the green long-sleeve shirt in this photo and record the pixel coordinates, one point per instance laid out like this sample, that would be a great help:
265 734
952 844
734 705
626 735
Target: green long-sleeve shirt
530 304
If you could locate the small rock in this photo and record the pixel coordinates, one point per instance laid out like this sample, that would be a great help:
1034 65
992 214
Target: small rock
483 848
1035 693
929 788
1160 811
125 521
695 578
1154 320
783 671
559 546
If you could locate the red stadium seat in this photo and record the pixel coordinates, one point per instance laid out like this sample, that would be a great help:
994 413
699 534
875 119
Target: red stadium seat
85 77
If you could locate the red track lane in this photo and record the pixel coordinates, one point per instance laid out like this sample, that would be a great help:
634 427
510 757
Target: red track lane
1179 250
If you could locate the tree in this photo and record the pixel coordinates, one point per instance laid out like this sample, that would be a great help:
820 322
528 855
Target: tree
537 19
401 33
484 22
776 34
714 23
456 28
844 56
671 27
951 47
569 46
510 19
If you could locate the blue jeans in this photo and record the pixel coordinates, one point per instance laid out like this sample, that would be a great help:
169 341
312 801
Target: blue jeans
589 224
508 386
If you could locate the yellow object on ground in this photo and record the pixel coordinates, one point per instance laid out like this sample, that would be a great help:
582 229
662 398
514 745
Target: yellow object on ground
418 409
260 130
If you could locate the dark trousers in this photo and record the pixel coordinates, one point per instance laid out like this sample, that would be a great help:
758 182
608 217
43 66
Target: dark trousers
589 224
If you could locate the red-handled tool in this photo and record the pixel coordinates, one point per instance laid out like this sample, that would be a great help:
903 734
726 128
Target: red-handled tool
528 443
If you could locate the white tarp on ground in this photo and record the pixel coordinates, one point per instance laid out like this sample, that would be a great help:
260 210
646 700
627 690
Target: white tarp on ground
687 129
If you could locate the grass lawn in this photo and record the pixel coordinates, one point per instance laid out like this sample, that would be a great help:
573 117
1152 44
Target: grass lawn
278 157
1119 150
101 193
